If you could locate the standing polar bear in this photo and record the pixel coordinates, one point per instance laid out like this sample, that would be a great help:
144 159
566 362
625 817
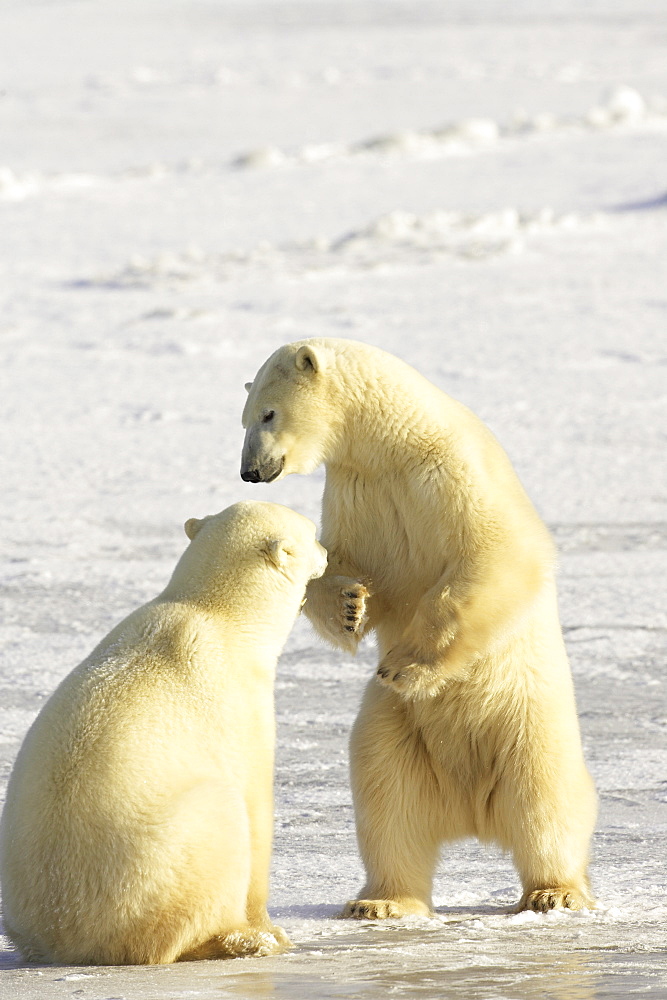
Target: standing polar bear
138 821
433 544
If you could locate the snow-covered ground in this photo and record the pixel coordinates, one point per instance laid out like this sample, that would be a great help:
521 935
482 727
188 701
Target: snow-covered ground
478 186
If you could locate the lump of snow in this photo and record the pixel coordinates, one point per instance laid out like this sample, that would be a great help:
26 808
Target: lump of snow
625 104
524 917
265 156
479 130
408 142
622 105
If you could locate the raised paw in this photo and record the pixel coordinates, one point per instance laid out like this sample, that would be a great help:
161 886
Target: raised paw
338 608
559 898
353 613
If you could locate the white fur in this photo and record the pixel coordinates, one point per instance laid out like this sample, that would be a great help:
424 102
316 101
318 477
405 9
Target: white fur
138 821
470 728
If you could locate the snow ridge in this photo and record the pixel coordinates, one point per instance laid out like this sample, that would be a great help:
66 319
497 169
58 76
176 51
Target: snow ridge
394 238
623 107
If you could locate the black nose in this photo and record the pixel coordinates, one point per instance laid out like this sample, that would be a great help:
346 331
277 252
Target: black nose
250 476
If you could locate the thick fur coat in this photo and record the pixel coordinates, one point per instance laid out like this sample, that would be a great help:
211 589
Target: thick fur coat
470 727
139 814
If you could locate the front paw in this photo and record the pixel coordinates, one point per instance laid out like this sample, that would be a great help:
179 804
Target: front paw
349 613
410 676
352 612
338 608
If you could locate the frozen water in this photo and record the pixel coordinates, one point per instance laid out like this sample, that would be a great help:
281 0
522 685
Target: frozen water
478 187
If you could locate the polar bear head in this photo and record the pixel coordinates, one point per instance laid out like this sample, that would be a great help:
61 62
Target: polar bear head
293 414
247 547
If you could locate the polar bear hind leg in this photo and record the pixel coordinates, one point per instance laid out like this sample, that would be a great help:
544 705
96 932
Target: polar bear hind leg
399 811
552 863
547 823
216 897
195 870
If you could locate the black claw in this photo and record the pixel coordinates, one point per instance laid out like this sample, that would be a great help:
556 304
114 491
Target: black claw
349 628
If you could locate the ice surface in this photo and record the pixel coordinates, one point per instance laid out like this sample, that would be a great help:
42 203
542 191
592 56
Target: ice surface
477 186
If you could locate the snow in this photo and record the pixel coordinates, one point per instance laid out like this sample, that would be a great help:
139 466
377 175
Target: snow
478 187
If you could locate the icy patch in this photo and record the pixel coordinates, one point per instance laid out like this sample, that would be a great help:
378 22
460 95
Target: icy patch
397 238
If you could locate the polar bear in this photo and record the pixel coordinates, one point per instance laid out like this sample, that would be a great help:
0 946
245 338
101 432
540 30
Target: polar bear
138 822
470 727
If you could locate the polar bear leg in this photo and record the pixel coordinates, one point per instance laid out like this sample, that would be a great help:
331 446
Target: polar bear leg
555 883
205 844
186 880
233 880
228 839
199 871
398 809
260 810
553 875
550 839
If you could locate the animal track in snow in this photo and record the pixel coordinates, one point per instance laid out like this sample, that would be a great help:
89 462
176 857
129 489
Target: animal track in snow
395 239
623 107
18 187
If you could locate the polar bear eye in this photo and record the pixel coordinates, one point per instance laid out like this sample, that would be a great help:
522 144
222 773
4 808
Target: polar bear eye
268 416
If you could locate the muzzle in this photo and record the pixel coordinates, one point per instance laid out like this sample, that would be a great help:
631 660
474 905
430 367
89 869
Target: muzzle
265 473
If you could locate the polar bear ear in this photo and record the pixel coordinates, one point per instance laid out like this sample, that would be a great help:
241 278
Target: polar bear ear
192 526
278 551
248 386
307 359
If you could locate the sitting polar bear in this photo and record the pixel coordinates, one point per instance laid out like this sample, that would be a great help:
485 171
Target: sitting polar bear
138 821
472 729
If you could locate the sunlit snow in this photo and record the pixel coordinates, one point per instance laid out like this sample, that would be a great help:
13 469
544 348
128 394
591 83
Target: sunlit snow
479 187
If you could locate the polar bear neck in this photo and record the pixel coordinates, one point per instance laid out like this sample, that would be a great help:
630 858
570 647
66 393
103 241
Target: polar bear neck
383 404
389 417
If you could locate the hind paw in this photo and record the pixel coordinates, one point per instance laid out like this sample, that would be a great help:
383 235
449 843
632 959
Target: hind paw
558 898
